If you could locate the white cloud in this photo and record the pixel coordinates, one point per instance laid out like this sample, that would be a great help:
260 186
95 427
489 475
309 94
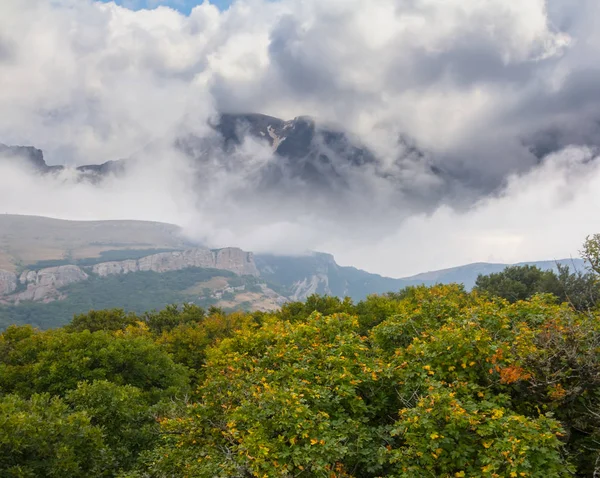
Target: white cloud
541 215
476 83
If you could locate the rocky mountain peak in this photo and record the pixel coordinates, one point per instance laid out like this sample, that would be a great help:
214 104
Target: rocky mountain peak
28 156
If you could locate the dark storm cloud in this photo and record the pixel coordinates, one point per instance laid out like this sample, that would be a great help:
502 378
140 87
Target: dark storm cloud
475 110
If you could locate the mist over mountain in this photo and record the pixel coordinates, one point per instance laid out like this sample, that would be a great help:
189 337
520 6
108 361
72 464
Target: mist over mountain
266 158
466 132
272 238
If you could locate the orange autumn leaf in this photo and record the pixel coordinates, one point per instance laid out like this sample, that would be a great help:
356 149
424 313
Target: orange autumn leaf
512 374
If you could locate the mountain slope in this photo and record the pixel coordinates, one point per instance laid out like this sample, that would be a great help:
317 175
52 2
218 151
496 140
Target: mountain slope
467 274
301 276
60 267
304 154
26 240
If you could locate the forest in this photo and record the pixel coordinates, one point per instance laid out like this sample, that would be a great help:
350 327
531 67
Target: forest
501 381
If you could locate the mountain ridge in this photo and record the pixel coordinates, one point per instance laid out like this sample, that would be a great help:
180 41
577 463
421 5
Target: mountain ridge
127 251
309 154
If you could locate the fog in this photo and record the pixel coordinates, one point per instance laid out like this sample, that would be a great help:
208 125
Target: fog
501 101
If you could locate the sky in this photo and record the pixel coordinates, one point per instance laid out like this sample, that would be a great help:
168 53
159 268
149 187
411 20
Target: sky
183 6
483 116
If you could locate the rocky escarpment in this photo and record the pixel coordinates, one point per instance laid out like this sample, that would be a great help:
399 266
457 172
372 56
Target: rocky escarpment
38 286
33 159
45 285
8 282
26 156
315 284
229 259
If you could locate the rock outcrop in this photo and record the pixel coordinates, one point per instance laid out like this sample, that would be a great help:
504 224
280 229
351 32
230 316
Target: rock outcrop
8 282
27 156
229 259
309 286
43 285
56 277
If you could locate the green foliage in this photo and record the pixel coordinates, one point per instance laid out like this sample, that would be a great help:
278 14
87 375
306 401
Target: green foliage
129 292
283 399
591 252
419 310
429 381
438 389
42 437
518 283
106 320
56 361
448 434
522 282
188 341
326 305
173 316
124 415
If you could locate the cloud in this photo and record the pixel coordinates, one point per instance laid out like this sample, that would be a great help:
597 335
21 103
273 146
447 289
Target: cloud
495 94
541 215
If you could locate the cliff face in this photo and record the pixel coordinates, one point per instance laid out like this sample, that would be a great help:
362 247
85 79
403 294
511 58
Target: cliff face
8 282
39 286
229 259
44 285
303 276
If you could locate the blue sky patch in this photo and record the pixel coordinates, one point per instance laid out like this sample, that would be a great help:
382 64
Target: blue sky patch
184 6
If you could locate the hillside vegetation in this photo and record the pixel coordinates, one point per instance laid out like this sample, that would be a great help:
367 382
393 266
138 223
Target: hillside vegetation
428 381
138 293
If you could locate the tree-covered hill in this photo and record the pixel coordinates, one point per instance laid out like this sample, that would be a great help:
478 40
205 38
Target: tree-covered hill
137 292
426 382
429 382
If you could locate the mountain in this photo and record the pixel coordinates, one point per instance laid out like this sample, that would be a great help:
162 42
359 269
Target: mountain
467 274
309 151
318 273
28 157
306 154
32 158
313 154
324 165
52 269
298 277
40 241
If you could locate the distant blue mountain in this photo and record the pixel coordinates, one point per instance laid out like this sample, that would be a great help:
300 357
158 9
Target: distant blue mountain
467 274
298 277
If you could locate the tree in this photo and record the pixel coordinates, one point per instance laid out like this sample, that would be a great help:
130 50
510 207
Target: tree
41 436
124 415
173 316
315 303
518 283
56 361
431 381
281 400
580 290
187 342
105 320
591 252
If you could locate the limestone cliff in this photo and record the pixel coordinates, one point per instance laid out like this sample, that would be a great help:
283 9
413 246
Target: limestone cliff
317 283
8 282
229 259
43 285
